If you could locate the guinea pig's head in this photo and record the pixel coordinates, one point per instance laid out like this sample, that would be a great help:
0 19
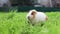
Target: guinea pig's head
32 14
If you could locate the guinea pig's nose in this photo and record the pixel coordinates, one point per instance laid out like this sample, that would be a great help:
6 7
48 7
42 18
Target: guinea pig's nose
28 17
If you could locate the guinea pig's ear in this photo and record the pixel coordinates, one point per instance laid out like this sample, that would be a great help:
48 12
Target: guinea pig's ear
33 13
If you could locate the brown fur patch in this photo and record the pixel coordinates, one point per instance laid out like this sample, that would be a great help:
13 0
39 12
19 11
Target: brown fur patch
33 14
46 18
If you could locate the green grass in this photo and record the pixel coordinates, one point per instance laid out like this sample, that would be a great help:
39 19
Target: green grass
16 23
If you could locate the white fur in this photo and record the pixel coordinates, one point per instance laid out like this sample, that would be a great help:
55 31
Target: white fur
39 17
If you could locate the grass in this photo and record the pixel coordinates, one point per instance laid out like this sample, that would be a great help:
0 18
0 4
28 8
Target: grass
16 23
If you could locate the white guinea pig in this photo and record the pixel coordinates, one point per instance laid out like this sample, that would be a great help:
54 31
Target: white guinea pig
35 17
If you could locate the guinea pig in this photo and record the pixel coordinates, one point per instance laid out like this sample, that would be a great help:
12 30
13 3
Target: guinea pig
34 17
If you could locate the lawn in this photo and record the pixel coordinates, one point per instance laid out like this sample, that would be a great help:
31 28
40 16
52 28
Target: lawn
16 23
